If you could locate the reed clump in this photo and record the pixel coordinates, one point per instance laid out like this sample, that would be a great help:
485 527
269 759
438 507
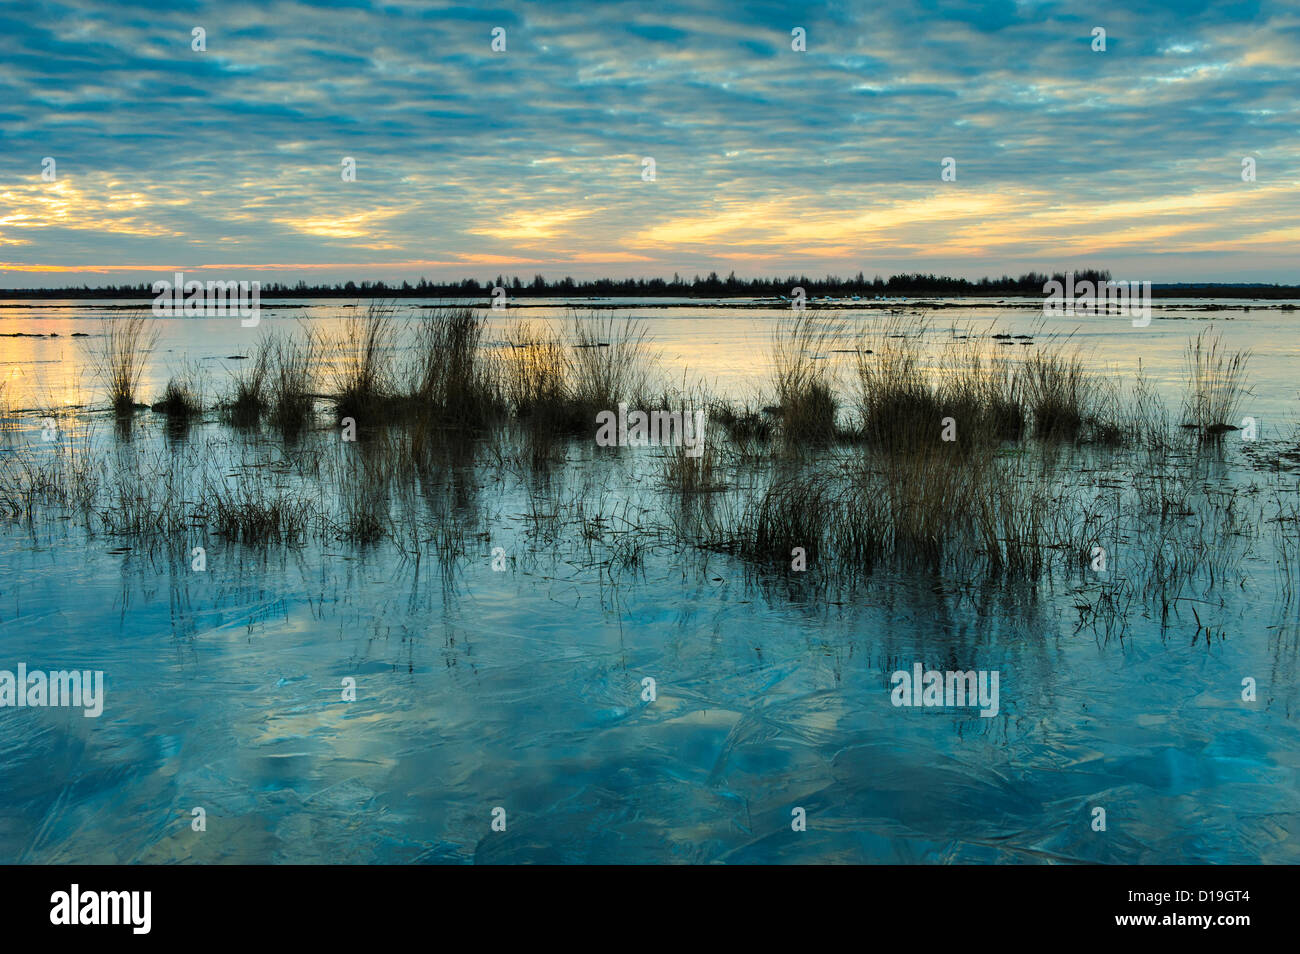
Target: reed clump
365 473
361 365
291 402
1216 385
696 468
609 362
1056 389
534 371
743 423
181 399
249 399
534 383
925 510
119 356
251 509
803 377
964 397
454 382
791 520
554 389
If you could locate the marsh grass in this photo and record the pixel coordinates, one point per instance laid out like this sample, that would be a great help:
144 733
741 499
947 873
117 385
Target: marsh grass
982 516
280 519
1216 385
252 507
904 398
293 359
534 384
1041 470
453 377
687 474
804 377
789 514
747 427
1056 389
1107 424
364 472
361 365
250 384
1149 425
149 494
64 476
610 361
182 397
554 389
119 356
534 371
919 500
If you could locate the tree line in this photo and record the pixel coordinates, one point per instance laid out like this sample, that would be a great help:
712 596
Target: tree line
912 285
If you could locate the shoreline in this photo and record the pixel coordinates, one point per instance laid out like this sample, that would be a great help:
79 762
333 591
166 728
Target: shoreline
600 304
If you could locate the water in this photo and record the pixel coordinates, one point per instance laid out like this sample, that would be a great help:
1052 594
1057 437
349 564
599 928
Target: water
522 689
723 347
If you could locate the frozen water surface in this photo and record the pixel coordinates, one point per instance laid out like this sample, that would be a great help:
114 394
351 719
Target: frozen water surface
523 689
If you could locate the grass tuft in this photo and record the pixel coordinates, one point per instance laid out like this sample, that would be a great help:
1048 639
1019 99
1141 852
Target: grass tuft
119 357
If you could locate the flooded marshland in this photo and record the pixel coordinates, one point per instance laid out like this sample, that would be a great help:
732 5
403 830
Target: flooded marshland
619 646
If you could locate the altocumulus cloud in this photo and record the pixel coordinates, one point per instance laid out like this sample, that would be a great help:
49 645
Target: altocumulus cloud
469 161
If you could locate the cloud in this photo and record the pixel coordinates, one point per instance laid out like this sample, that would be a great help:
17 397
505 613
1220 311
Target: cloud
529 226
766 158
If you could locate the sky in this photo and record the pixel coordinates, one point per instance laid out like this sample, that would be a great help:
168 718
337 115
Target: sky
472 162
